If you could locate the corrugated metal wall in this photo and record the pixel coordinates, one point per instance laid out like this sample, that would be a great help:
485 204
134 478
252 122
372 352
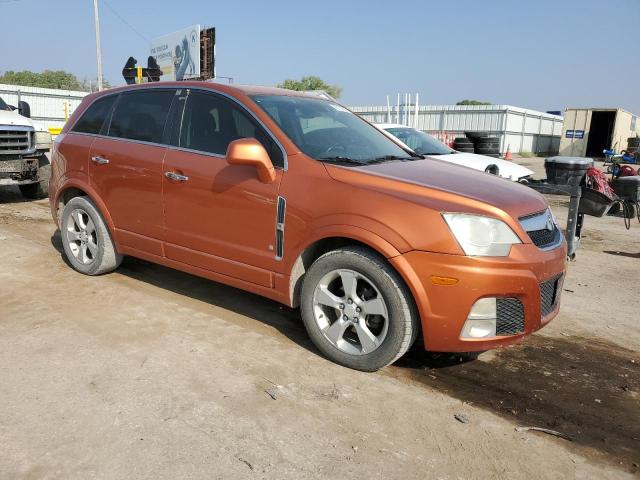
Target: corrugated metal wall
521 129
47 104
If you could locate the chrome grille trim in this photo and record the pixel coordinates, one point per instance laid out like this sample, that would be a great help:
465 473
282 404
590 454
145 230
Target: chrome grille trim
17 140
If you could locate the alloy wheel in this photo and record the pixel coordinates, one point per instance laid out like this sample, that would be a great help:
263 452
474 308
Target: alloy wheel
82 237
350 311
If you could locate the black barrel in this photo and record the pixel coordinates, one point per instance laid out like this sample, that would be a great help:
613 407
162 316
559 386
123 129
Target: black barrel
627 188
567 170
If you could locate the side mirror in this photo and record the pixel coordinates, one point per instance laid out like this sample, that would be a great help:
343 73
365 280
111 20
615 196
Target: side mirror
249 151
24 109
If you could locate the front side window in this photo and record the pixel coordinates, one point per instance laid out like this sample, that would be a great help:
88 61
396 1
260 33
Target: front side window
327 131
211 122
420 142
141 115
94 117
3 106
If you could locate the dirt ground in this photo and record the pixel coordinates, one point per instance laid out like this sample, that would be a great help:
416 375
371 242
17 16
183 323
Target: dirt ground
153 373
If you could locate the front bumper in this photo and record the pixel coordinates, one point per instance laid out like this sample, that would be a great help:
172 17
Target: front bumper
444 308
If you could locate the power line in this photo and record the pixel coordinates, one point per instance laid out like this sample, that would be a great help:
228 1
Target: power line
113 10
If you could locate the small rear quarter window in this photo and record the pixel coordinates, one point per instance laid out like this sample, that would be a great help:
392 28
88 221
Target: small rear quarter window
94 117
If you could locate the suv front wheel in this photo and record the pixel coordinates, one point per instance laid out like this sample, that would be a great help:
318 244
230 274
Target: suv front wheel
357 310
86 240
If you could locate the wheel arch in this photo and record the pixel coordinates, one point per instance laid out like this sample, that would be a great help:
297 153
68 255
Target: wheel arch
73 189
332 240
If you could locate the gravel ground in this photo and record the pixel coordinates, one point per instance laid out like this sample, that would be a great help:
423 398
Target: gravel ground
153 373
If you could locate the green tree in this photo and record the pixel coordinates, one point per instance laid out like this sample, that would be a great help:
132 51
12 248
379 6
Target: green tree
472 102
45 79
311 83
91 84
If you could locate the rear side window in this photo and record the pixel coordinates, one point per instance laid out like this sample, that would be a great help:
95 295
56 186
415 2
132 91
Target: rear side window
211 122
141 115
94 117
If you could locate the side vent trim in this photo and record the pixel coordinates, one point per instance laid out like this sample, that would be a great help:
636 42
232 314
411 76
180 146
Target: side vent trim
280 219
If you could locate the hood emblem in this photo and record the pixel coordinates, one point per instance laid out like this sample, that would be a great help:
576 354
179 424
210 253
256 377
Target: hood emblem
549 223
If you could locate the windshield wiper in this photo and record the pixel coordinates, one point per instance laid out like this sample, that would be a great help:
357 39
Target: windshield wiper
339 159
391 157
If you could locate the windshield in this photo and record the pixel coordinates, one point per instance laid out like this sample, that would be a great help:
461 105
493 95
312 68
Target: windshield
3 106
420 142
327 131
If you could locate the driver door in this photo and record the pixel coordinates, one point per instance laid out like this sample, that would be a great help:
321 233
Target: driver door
219 217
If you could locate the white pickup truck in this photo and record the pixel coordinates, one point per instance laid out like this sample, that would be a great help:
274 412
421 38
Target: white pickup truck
23 151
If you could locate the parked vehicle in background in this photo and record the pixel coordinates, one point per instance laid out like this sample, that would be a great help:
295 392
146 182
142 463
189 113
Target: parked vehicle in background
295 198
424 144
23 148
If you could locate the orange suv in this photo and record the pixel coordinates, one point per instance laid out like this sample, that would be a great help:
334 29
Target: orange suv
296 198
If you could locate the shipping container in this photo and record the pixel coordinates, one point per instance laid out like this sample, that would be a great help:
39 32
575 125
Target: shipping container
589 131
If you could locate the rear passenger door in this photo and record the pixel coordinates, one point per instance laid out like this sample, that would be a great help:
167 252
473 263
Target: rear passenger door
125 167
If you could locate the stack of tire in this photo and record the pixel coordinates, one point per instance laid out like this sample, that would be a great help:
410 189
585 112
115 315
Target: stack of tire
484 143
464 145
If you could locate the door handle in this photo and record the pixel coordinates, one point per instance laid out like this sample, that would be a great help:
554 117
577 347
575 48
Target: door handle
99 160
176 176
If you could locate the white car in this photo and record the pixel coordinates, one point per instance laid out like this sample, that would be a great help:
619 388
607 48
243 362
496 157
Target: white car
424 144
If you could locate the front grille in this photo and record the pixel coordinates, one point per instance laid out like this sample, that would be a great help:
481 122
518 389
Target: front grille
549 295
542 238
542 229
16 141
509 316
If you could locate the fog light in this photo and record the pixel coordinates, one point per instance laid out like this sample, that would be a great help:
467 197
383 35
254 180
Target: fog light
481 322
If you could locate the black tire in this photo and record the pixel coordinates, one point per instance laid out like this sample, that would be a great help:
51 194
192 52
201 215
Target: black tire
487 152
40 189
474 136
105 258
492 169
461 144
402 323
488 139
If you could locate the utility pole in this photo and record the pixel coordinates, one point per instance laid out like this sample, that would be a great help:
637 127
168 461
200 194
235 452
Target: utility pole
98 52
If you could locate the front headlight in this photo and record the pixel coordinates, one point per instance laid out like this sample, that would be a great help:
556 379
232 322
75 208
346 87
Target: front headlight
43 140
481 236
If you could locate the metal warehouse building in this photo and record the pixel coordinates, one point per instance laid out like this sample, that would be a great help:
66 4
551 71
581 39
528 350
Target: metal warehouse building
50 106
588 131
520 129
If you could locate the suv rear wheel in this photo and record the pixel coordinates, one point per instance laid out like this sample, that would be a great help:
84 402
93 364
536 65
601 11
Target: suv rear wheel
86 240
357 310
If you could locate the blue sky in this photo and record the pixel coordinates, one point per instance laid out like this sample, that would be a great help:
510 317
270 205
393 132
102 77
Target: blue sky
539 54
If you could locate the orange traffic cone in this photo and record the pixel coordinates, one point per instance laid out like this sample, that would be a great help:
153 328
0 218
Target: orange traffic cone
508 156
